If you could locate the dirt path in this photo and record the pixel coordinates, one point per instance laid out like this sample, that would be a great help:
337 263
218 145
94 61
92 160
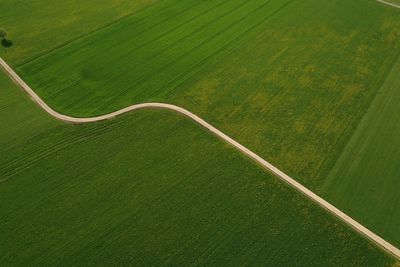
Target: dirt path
388 3
293 183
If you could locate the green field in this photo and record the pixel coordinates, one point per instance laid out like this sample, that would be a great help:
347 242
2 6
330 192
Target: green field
135 201
288 79
364 178
37 27
165 47
291 80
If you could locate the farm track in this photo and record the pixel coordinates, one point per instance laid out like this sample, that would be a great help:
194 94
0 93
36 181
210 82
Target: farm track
388 3
391 249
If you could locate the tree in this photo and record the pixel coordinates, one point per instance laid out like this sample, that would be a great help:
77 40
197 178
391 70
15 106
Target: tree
4 41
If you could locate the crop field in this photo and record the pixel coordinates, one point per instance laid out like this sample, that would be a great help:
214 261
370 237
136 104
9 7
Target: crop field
36 27
147 56
371 159
133 200
311 86
288 79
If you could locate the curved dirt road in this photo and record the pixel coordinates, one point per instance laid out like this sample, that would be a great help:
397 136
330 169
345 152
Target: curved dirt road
287 179
388 3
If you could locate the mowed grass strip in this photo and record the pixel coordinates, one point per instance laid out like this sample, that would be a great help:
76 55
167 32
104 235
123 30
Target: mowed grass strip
134 62
365 178
138 191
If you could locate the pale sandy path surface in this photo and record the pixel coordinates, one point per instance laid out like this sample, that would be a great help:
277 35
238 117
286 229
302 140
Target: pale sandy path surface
388 3
284 177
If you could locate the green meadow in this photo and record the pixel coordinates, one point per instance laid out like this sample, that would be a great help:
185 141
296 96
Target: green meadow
147 56
37 27
291 80
365 178
311 86
115 193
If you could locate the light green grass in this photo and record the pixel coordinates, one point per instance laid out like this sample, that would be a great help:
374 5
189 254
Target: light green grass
36 27
365 178
138 191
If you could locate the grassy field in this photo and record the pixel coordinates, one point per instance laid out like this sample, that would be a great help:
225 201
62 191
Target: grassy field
288 79
164 48
364 178
290 85
36 27
134 200
297 113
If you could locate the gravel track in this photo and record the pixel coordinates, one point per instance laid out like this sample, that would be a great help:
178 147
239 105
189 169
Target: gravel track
388 3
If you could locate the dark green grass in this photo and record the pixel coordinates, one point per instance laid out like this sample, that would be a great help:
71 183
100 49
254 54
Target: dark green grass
366 177
138 190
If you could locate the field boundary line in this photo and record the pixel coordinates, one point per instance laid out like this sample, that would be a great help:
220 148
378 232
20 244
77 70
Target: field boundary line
385 245
388 3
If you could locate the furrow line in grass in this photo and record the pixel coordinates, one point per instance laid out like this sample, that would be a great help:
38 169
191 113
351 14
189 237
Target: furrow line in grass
164 65
386 246
197 67
142 45
98 51
141 31
169 31
5 106
59 93
216 52
150 63
15 166
64 88
99 130
166 32
85 35
62 186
